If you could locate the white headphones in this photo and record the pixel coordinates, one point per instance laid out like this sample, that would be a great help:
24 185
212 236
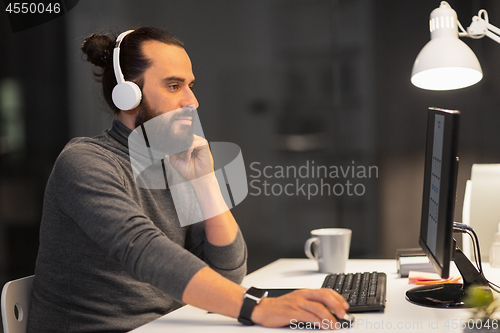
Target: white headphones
126 95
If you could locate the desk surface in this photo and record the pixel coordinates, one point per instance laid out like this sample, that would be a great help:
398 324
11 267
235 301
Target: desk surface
399 315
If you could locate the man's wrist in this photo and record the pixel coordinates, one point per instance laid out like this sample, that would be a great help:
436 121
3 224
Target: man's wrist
209 195
251 298
206 183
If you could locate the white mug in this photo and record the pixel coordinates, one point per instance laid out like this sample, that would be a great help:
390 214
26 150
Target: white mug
331 248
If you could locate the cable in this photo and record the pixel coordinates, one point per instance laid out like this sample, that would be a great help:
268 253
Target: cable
494 287
463 33
464 228
478 251
474 248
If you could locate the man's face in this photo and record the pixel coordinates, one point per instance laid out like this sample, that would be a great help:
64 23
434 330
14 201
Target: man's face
168 86
160 132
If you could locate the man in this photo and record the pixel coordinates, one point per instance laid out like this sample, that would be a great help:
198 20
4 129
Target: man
112 255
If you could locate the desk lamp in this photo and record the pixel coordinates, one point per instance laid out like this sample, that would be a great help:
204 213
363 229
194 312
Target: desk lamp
445 62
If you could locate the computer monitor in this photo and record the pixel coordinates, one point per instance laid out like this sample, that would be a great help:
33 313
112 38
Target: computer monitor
438 204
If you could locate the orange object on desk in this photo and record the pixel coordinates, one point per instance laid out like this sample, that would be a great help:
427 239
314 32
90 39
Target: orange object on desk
425 278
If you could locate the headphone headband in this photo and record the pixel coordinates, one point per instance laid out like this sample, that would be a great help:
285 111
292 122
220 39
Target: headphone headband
121 36
116 57
126 95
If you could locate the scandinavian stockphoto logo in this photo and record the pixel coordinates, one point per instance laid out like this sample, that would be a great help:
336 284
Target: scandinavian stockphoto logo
310 179
151 146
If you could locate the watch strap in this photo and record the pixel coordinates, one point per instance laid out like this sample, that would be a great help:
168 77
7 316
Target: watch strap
252 297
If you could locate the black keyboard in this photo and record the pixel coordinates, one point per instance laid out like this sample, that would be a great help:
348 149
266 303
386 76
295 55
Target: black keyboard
363 291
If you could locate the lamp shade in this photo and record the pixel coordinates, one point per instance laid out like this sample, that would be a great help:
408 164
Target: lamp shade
445 62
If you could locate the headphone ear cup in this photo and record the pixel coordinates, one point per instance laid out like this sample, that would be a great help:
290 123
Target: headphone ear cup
126 95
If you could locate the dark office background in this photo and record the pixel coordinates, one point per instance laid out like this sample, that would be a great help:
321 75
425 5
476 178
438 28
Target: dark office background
330 78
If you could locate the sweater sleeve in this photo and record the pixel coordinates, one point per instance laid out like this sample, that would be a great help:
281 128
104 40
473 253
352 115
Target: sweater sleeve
93 193
229 261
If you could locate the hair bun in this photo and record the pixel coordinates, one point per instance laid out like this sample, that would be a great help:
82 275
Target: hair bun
98 48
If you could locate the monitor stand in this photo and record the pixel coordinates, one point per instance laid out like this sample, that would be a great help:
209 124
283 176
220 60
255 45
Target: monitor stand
448 295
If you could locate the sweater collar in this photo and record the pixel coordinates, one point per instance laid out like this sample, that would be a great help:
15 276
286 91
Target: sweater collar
120 132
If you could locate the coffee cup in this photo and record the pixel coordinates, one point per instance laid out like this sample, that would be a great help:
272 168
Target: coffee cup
331 248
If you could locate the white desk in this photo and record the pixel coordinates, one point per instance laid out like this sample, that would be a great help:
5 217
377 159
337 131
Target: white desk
400 315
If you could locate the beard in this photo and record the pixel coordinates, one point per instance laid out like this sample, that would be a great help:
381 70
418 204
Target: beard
170 142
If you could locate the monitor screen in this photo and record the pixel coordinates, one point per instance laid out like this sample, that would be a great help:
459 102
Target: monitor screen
440 175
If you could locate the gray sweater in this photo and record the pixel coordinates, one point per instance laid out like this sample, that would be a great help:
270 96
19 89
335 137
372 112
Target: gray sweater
112 255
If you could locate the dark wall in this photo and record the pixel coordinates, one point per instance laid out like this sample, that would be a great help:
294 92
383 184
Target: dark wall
33 129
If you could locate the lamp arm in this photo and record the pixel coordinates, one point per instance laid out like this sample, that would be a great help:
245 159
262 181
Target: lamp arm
495 35
496 38
480 27
463 32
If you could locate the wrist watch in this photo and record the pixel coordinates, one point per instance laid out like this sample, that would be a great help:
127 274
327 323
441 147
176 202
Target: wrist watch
252 297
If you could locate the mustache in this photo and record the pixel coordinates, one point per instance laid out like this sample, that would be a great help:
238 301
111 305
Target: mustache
183 114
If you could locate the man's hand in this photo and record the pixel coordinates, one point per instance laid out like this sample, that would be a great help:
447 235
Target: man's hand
210 291
305 305
196 162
